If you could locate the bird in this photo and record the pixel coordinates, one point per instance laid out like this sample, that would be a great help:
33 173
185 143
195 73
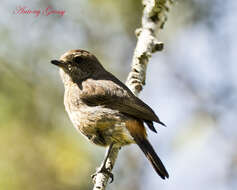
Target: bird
103 109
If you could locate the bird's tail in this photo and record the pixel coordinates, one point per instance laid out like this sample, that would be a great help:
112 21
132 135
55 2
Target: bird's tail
151 155
138 132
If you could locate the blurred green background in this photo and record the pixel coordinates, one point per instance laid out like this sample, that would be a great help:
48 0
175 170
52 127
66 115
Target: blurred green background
191 85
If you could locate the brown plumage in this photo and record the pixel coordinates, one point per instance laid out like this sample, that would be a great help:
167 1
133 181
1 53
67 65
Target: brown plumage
102 108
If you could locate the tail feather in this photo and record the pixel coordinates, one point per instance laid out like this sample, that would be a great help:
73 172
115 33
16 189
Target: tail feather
151 155
138 132
150 125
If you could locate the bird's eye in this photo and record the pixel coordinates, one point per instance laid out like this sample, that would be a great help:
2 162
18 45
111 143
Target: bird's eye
78 59
69 67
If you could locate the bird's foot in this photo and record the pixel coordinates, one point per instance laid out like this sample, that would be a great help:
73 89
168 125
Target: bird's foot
104 171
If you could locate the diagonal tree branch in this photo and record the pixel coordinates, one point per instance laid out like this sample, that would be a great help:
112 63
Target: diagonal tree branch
153 20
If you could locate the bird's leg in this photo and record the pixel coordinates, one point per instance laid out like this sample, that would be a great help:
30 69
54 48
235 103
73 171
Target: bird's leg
102 168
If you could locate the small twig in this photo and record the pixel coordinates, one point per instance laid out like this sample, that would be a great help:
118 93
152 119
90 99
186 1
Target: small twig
153 19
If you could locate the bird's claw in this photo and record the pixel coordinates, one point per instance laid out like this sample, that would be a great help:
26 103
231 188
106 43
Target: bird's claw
104 171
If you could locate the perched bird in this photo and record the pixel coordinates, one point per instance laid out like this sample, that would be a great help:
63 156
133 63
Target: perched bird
103 109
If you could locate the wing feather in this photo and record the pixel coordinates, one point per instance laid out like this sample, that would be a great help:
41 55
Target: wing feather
112 93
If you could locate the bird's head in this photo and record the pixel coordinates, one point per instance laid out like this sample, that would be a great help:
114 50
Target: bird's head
77 65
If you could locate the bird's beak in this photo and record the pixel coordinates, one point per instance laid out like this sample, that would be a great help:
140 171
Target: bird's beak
58 63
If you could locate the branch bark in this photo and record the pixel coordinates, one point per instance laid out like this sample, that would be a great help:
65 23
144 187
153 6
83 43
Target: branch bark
153 20
101 179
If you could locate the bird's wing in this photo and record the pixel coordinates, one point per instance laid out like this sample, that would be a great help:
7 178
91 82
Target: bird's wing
112 93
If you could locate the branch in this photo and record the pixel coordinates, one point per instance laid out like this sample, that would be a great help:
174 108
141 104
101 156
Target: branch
153 19
101 179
